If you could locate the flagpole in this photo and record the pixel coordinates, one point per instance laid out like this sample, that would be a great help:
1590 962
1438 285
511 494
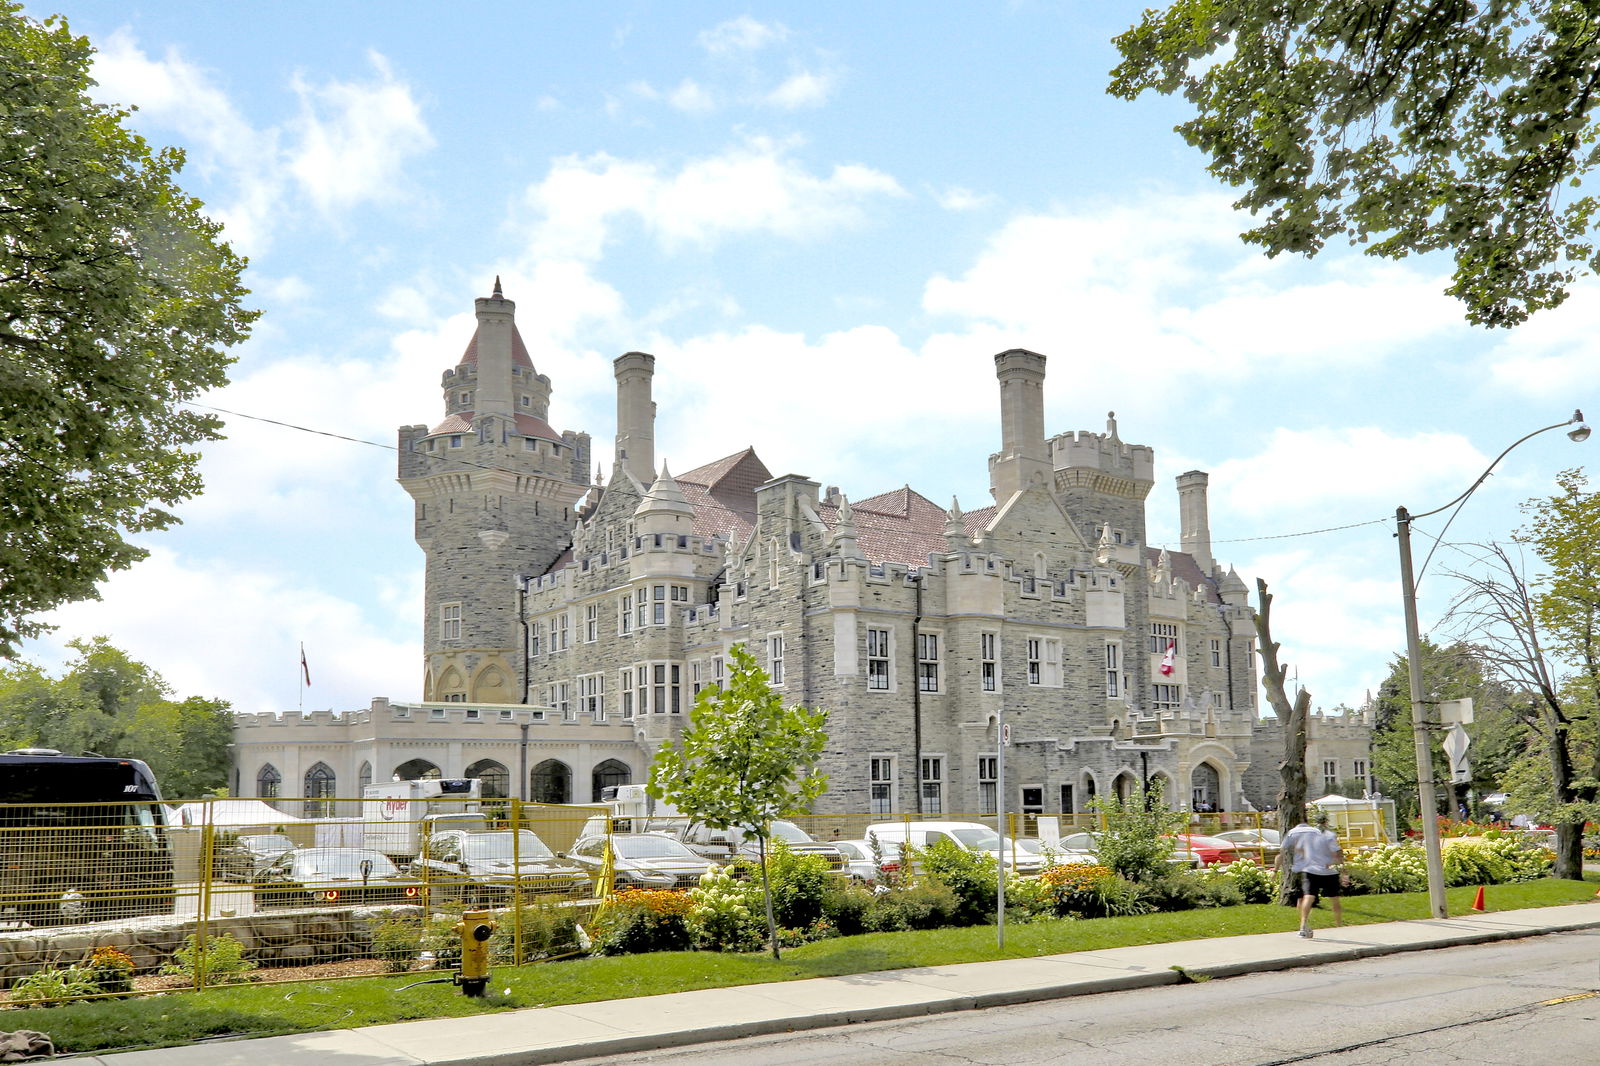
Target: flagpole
300 677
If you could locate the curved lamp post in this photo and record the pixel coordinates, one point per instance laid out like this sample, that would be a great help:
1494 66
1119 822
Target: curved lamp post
1422 724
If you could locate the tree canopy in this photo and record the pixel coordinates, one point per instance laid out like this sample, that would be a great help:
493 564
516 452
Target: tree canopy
110 704
745 759
117 303
1403 125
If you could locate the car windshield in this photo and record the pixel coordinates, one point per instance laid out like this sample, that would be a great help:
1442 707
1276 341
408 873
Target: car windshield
1032 847
790 833
267 842
978 838
651 847
503 847
849 850
342 863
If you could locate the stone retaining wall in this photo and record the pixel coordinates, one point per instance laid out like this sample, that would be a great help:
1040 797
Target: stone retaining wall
274 938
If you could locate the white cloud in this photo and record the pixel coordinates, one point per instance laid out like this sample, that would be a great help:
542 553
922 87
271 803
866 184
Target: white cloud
957 198
740 35
244 645
802 90
751 188
353 138
1553 356
348 145
692 97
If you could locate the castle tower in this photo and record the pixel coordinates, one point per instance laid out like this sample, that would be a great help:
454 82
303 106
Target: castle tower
496 491
1023 452
1194 519
636 416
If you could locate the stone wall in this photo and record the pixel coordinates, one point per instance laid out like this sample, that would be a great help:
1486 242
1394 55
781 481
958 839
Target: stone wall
272 938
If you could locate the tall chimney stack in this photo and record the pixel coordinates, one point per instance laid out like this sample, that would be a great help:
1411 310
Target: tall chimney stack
1194 518
636 416
1023 452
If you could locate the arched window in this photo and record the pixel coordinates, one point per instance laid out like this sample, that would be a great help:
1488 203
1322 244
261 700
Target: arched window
1088 788
1124 784
610 772
495 777
364 778
416 770
550 782
320 783
268 782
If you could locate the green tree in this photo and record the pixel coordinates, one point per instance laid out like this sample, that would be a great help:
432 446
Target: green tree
108 703
117 304
1449 672
744 761
1543 637
1137 839
1402 125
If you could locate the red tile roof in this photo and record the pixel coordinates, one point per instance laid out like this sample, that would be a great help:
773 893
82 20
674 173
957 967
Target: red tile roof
1184 566
527 426
519 351
723 494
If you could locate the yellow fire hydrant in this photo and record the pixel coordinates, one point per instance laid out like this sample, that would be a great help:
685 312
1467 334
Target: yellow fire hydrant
475 929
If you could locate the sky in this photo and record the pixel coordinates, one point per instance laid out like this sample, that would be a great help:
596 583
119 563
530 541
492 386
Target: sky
823 220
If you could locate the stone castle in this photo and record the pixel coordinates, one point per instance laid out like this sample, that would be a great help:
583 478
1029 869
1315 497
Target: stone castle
570 623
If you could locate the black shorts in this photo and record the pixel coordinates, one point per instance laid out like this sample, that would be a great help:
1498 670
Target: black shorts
1319 884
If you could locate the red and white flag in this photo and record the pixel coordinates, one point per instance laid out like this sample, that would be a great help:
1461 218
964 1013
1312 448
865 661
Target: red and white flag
306 670
1168 661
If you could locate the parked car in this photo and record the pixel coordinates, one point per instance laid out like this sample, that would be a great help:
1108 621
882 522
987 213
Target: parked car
1084 844
483 869
244 858
969 836
1053 852
859 865
323 876
641 860
723 845
1262 845
1203 850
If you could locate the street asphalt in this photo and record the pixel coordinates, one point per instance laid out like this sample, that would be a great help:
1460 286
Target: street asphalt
559 1034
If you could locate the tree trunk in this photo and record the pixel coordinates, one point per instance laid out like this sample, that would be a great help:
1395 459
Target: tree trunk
1569 835
1292 769
766 891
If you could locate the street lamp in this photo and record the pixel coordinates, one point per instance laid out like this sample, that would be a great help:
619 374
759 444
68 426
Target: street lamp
1421 718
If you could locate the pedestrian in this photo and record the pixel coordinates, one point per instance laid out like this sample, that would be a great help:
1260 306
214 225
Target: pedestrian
1314 856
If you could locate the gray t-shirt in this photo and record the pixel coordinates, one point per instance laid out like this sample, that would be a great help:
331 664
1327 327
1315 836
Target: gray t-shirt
1315 851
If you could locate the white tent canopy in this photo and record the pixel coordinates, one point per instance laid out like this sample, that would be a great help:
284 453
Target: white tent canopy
233 814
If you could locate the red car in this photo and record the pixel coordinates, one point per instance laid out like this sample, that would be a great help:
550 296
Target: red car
1205 851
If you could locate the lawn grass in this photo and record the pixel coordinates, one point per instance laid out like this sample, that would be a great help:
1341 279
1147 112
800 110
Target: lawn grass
263 1009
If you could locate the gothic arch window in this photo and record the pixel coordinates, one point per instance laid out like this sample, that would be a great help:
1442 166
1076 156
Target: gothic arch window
268 782
1123 785
495 777
320 786
1089 789
364 778
611 772
417 770
550 782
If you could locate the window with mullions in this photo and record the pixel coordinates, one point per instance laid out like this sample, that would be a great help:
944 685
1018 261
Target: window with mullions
1044 662
449 621
932 784
928 662
881 784
1113 668
535 639
1330 776
591 623
988 772
1166 697
775 658
879 674
626 691
1216 653
1162 636
591 696
989 661
268 782
559 696
625 616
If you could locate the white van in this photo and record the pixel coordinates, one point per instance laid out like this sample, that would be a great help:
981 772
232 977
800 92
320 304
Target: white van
969 836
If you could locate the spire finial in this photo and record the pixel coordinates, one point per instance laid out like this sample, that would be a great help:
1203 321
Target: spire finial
497 291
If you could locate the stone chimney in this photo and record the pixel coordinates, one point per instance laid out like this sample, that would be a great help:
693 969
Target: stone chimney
1023 452
1194 518
636 416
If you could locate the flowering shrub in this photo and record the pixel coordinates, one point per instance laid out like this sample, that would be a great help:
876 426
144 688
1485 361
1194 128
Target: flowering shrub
1390 868
1028 899
111 970
1500 860
637 920
1080 890
1255 882
720 915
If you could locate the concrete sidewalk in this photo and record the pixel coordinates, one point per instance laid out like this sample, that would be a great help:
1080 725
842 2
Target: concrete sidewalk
557 1034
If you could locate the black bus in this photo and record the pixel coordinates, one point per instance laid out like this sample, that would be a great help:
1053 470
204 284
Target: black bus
82 839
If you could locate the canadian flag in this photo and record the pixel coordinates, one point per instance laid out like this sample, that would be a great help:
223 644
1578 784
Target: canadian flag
1169 660
306 670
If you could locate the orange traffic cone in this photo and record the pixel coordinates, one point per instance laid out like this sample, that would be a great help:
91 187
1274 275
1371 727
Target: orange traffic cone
1477 903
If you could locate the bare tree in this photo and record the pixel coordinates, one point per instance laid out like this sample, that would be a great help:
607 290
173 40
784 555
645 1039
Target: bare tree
1292 715
1499 611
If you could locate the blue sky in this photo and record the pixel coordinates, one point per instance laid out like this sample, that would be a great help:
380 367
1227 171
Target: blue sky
823 220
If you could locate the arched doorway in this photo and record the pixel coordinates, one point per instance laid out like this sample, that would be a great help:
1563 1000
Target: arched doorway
610 772
416 770
495 778
1205 788
550 782
1123 785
